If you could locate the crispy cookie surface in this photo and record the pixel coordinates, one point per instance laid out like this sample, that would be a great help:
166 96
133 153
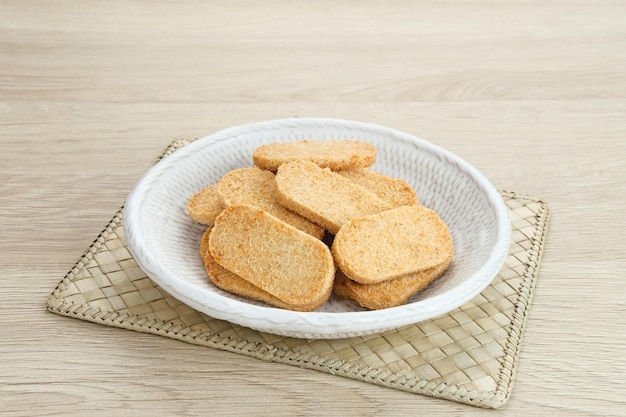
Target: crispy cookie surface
323 196
257 187
395 191
230 282
289 264
336 155
396 242
205 205
391 293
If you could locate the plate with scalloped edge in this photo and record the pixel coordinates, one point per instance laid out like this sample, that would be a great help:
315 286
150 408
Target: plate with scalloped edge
164 240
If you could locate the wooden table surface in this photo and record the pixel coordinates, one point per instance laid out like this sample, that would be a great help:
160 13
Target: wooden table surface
531 93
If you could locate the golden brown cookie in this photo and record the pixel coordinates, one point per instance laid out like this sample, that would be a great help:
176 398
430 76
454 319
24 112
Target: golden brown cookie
257 187
395 191
391 293
323 196
272 255
393 243
205 205
336 155
230 282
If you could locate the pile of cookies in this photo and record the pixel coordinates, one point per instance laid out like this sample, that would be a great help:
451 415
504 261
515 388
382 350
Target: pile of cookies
312 218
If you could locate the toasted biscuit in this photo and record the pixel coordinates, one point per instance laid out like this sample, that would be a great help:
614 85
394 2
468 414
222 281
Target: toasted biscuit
205 205
336 155
395 191
396 242
230 282
323 196
257 187
391 293
291 265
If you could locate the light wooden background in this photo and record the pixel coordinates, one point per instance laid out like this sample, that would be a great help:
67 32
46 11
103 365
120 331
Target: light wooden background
532 93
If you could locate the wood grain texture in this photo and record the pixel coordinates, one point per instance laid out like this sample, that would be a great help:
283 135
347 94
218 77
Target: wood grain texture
531 93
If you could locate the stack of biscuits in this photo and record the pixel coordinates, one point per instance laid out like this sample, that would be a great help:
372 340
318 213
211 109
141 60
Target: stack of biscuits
310 218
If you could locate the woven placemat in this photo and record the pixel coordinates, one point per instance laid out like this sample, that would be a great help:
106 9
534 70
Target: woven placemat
469 355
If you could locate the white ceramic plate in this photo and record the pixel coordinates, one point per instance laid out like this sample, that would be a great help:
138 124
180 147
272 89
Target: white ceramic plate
164 241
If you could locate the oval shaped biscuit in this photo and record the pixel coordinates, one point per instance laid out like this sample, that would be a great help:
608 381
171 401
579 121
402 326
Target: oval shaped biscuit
323 196
392 243
336 154
395 191
390 293
257 187
272 255
205 205
230 282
